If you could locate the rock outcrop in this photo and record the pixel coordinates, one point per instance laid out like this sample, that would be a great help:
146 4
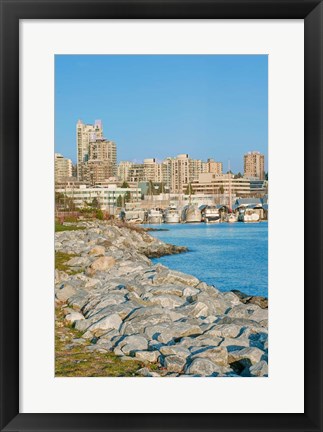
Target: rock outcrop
125 304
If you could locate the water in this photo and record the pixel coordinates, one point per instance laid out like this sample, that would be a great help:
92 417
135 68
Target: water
228 256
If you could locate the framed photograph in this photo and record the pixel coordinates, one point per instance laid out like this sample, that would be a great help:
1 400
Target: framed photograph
161 189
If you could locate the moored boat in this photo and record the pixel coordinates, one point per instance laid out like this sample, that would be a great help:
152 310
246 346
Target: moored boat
210 214
171 215
232 218
191 214
155 216
248 215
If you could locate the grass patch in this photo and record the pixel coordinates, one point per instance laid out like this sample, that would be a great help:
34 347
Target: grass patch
60 227
78 362
61 258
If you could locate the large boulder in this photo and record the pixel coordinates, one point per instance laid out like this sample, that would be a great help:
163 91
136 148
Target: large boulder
147 356
65 292
167 301
179 351
97 251
102 264
174 363
174 277
131 344
203 367
252 354
106 323
259 369
218 355
224 330
74 316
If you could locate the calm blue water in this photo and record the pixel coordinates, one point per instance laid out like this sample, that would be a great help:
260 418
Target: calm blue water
228 256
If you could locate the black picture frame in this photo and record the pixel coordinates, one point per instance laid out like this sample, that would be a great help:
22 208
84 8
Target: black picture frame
11 12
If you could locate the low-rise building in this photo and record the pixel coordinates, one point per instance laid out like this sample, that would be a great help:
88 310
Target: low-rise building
107 197
213 184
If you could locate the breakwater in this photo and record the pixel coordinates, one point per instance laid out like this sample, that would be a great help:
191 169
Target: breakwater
123 303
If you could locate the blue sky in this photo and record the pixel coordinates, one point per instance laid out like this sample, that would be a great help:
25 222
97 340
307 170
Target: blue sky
162 105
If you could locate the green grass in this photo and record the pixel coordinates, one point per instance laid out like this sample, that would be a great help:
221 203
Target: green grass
78 362
61 259
59 227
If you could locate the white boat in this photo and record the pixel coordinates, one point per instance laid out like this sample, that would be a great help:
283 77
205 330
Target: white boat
211 214
134 216
191 214
232 218
248 215
155 216
171 215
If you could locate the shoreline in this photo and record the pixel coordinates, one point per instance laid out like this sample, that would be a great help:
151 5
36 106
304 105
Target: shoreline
124 305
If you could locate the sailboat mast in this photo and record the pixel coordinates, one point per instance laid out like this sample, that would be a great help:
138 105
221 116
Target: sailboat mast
230 198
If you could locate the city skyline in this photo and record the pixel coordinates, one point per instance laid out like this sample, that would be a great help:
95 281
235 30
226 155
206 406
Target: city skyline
154 106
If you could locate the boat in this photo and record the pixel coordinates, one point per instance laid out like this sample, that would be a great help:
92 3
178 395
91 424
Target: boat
154 216
248 215
191 214
133 216
210 214
171 215
231 218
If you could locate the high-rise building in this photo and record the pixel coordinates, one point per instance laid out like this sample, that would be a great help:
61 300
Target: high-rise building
124 170
180 172
150 169
63 167
254 165
102 161
214 167
85 134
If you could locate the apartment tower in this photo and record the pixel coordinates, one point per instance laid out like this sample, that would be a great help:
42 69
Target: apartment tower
254 165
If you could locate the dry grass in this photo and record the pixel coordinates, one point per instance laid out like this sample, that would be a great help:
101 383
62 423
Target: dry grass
79 362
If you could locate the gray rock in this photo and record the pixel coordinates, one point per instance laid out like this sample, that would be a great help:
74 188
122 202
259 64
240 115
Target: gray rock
147 373
253 354
218 355
74 316
167 301
259 369
165 333
195 343
174 363
174 290
225 330
78 262
102 264
140 324
109 322
174 277
179 351
147 356
130 344
97 251
203 367
248 311
65 292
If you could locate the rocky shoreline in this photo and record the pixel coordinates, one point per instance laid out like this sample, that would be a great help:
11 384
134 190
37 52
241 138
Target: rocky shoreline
124 304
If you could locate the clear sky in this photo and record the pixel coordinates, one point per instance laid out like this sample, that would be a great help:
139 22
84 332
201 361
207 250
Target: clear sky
162 105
